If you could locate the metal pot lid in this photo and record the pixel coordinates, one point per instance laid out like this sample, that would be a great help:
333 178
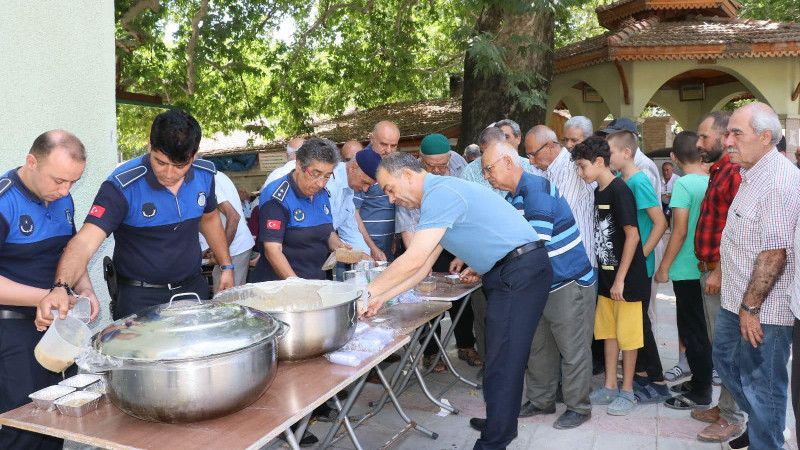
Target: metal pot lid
183 330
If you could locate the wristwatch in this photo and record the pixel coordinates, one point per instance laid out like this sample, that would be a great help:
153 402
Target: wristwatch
226 267
754 310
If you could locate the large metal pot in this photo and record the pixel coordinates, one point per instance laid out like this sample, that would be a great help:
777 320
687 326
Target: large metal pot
317 331
187 361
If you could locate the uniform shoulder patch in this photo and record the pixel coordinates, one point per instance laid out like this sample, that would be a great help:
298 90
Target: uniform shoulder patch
205 165
129 176
5 185
280 193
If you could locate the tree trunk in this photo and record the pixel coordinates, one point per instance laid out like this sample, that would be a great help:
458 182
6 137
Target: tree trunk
485 99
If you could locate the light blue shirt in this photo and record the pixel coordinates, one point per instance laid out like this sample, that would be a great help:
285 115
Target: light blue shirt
343 209
474 173
481 227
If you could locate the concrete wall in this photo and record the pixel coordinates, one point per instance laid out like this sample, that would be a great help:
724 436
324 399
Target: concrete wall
57 71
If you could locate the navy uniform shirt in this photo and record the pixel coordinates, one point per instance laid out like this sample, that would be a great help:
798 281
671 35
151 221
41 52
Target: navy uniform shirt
32 235
302 224
155 231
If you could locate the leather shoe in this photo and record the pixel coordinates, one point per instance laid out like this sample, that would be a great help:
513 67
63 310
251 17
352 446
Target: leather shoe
706 415
571 419
720 431
529 410
478 424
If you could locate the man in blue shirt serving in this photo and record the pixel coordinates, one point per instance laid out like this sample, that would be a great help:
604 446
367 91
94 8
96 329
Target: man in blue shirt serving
155 205
511 259
565 330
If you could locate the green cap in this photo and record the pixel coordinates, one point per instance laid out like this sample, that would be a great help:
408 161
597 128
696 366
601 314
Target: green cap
434 144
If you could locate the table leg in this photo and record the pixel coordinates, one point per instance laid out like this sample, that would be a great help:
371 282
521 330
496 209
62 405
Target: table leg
343 412
301 428
291 440
443 353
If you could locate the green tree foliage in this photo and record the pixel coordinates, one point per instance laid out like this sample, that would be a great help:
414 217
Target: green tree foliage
775 10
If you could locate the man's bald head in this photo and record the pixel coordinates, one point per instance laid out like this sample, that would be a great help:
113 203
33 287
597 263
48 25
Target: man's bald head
384 138
349 150
46 142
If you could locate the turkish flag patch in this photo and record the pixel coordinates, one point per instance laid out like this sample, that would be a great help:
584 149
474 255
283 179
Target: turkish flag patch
273 224
97 211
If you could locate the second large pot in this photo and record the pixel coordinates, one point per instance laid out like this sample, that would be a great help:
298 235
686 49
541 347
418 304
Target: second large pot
315 332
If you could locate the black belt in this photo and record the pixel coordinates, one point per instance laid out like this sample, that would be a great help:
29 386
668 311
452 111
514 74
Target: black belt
171 286
7 314
519 251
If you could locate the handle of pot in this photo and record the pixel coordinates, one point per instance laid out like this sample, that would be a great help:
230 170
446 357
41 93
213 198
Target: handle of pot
189 294
284 328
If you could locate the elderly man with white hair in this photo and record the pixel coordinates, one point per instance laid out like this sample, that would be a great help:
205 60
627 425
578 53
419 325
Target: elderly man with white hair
753 332
576 130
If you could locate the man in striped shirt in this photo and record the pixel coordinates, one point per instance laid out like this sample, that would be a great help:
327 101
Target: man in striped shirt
374 212
562 330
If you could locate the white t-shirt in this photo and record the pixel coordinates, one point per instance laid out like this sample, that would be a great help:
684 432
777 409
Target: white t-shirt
226 192
279 172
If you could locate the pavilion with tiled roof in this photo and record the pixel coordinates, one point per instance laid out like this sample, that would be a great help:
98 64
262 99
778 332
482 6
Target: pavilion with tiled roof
688 57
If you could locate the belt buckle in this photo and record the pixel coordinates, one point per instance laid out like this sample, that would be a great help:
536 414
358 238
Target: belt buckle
171 287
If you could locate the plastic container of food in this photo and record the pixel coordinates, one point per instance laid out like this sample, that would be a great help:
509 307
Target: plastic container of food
81 381
452 279
427 285
78 403
44 398
348 256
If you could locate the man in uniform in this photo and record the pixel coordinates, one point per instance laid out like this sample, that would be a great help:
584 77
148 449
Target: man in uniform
36 222
155 205
512 260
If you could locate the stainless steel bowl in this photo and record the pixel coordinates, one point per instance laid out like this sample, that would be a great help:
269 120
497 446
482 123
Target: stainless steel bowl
196 390
315 332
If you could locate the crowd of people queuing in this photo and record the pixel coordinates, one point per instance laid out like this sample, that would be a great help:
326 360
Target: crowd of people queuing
567 241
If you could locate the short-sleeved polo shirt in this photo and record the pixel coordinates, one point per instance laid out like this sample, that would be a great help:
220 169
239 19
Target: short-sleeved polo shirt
32 235
155 231
481 227
302 224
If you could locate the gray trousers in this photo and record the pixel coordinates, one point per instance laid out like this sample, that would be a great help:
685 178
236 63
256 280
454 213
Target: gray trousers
478 301
241 265
727 406
565 333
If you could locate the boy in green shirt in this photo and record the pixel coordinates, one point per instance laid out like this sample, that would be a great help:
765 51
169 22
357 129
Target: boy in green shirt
680 265
649 386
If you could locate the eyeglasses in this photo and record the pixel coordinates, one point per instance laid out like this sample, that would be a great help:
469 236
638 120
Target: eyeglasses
533 155
320 177
489 167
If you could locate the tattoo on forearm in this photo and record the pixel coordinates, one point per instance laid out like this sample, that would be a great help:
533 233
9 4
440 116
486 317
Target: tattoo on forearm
767 269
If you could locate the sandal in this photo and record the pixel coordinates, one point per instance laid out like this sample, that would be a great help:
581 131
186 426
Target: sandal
684 403
649 394
470 355
427 361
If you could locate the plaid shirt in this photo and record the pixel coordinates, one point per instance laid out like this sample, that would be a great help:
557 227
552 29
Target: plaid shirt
762 217
722 187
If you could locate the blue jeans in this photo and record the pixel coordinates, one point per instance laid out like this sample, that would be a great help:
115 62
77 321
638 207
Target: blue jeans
756 377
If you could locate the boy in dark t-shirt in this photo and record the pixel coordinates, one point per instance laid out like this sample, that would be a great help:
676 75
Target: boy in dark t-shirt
623 282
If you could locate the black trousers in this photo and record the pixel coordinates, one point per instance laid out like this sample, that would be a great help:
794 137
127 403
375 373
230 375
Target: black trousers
692 332
648 360
133 298
20 375
517 292
465 338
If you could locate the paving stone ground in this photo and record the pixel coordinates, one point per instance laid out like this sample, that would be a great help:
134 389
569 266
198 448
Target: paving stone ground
648 427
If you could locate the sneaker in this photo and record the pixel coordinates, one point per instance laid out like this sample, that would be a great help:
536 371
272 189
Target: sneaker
623 404
677 373
603 396
740 443
715 379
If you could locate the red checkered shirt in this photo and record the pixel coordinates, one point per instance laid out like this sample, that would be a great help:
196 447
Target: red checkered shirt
722 188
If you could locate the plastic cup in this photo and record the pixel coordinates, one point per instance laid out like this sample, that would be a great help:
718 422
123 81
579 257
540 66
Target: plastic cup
62 343
82 309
